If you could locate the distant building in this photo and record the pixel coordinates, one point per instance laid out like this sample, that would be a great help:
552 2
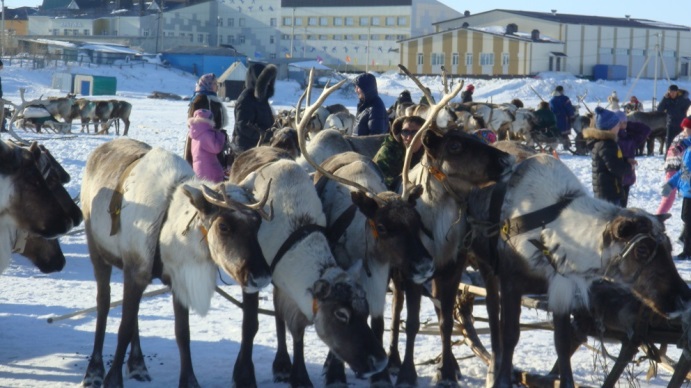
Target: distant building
587 41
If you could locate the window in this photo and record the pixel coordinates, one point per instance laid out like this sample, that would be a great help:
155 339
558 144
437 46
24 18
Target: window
191 36
298 21
309 37
231 22
338 21
241 39
374 37
402 21
220 39
420 59
362 37
322 37
338 37
348 37
272 22
219 22
469 59
86 32
287 21
389 37
486 59
604 51
437 59
145 32
323 21
621 51
669 53
375 21
272 55
311 21
364 21
504 59
200 38
241 22
285 37
390 21
349 21
272 39
638 52
454 59
231 39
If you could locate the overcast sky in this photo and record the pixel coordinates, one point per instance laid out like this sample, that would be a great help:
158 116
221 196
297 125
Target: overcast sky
670 11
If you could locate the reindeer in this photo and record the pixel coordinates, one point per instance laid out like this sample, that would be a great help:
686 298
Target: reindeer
147 213
341 121
121 111
443 214
309 286
384 234
657 121
330 142
561 249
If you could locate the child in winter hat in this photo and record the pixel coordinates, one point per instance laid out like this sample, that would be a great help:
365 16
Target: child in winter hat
206 144
605 119
206 83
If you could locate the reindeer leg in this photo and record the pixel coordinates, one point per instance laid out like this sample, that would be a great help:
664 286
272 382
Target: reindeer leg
628 350
243 372
132 296
381 379
298 374
282 365
510 315
396 308
334 371
136 366
102 272
182 336
446 287
562 342
407 374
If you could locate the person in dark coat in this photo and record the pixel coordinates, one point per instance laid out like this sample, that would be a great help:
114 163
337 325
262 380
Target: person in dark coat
391 154
545 124
205 97
403 98
608 164
675 103
467 94
371 117
631 136
253 114
561 106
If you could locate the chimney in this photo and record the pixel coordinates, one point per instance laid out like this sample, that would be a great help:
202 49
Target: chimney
628 17
535 35
465 25
466 13
554 12
511 28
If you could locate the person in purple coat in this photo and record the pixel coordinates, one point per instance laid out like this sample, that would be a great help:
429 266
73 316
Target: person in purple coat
631 136
206 144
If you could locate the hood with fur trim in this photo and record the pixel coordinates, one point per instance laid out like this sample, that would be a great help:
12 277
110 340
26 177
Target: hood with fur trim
199 125
262 78
598 134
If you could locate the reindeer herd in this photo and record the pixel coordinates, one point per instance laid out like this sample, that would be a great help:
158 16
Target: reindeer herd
316 220
58 113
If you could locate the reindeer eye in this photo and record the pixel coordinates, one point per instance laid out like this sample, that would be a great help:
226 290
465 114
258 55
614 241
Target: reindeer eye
455 147
223 227
381 229
342 315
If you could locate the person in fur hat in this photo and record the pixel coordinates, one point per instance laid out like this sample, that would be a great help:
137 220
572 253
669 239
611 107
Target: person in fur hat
675 103
608 163
253 113
206 143
391 154
205 97
371 117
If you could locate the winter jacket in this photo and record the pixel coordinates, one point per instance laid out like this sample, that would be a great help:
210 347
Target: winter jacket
210 101
205 145
371 117
390 159
562 108
608 164
546 123
682 179
253 114
467 96
676 110
629 140
674 152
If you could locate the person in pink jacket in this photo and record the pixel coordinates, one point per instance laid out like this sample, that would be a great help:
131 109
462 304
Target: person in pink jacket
207 142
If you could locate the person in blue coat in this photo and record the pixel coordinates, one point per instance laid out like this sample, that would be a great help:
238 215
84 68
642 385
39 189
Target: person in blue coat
561 106
371 117
682 182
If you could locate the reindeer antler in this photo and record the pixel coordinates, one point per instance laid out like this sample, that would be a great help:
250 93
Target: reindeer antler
226 202
431 116
303 142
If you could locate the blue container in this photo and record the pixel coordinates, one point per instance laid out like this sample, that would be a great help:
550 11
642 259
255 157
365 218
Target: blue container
609 72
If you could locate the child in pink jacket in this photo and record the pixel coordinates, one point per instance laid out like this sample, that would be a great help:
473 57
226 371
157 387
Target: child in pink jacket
207 142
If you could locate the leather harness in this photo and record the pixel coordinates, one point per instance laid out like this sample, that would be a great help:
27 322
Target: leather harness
115 205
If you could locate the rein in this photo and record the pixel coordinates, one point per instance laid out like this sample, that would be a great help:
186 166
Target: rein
298 235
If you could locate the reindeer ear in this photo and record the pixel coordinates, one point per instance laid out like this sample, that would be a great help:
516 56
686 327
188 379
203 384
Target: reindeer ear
321 289
663 217
431 139
367 205
196 198
415 193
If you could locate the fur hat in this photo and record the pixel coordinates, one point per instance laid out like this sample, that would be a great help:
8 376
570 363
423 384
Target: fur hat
686 122
621 115
470 87
206 83
605 119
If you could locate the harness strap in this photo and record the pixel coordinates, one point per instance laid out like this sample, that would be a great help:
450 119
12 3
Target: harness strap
339 226
496 200
534 220
116 200
298 235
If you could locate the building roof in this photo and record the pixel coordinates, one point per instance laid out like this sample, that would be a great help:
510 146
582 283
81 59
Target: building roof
565 18
349 3
493 30
204 50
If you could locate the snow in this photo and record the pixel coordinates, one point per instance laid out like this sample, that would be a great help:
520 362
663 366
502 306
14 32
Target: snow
34 353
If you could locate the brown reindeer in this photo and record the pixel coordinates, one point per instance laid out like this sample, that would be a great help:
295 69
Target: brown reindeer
121 111
657 121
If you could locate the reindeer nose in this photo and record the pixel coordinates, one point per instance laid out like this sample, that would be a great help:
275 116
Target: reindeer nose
377 365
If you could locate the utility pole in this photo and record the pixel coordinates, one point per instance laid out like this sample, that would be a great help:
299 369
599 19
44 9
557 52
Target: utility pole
369 30
3 28
292 34
657 54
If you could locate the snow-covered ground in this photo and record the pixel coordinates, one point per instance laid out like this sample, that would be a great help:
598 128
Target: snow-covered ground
34 353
